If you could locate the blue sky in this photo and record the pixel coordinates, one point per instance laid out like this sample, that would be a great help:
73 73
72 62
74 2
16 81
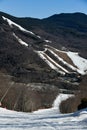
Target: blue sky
42 8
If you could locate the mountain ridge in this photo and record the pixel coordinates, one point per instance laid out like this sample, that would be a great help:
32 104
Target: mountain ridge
72 36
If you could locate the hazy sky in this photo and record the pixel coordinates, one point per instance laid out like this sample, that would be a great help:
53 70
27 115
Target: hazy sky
42 8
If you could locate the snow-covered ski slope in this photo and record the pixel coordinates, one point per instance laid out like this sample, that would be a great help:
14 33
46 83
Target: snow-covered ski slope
11 120
66 61
11 24
45 119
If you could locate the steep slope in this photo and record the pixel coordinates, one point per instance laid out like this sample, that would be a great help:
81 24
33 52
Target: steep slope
19 61
36 66
65 30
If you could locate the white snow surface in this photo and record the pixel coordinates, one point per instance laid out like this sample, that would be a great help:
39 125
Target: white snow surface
11 120
80 62
11 23
48 41
48 119
39 36
59 99
20 41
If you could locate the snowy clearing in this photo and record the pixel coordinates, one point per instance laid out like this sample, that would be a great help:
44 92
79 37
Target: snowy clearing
80 62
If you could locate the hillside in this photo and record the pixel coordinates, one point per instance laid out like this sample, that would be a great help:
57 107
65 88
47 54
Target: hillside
64 30
40 59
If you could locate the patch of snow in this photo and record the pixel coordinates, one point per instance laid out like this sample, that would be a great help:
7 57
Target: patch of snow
45 50
51 62
48 41
20 41
59 99
41 54
59 66
63 48
55 107
11 23
64 62
80 62
39 37
40 86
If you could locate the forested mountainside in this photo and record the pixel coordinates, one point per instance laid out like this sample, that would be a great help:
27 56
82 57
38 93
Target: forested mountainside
40 58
